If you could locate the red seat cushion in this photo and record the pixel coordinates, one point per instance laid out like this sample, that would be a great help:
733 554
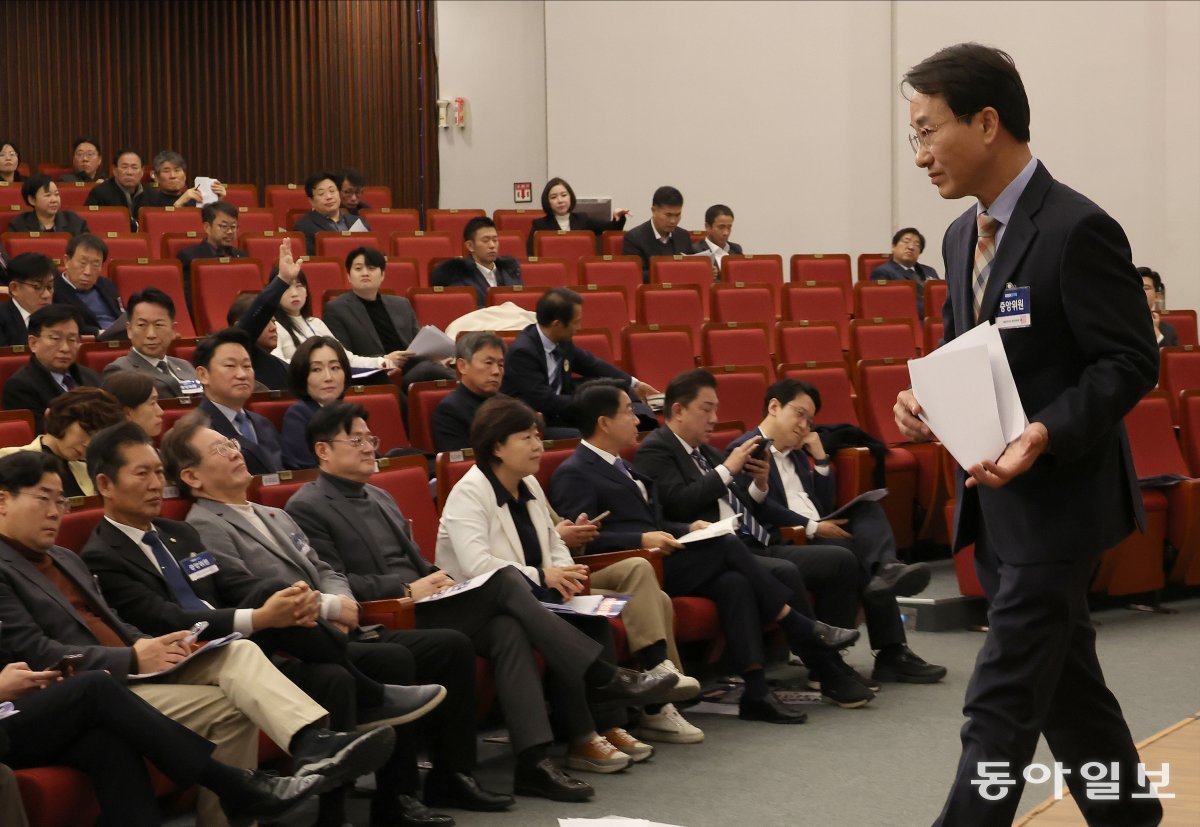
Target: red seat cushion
696 619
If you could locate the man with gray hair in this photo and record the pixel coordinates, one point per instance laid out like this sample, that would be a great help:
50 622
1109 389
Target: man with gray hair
170 176
479 358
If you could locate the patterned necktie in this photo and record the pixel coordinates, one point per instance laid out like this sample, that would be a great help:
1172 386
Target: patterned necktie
985 251
69 382
177 583
244 426
748 525
556 378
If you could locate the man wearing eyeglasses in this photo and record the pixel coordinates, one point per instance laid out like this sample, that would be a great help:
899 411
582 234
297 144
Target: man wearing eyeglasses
220 222
799 489
54 344
30 287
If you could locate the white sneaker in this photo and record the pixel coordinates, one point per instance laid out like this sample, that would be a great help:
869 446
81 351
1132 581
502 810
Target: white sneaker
685 689
668 726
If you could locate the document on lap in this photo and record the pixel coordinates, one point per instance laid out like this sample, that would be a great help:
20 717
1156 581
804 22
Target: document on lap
595 605
969 397
872 496
717 529
460 587
208 647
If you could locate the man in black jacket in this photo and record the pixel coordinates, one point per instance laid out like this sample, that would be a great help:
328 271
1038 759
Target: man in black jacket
661 235
85 161
30 287
220 222
543 358
124 189
81 286
52 371
481 267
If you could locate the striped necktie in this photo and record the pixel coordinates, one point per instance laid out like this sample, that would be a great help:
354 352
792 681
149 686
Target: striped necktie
985 251
748 525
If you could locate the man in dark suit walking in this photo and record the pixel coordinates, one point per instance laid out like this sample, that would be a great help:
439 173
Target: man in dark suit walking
1041 515
542 360
661 235
52 371
482 267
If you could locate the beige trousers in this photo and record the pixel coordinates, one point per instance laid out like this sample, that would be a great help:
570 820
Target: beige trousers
648 615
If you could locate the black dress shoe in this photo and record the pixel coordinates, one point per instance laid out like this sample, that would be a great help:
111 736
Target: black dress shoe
407 811
637 688
263 796
896 579
546 780
338 757
771 710
842 686
900 664
462 792
833 638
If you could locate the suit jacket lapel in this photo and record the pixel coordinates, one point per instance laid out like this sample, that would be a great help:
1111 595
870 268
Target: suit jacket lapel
129 550
293 556
340 506
24 568
363 321
398 321
514 540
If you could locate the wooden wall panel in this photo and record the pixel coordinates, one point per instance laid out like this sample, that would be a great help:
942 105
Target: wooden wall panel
256 91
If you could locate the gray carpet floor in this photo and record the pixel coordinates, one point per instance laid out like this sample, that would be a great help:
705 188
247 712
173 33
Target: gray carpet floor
886 765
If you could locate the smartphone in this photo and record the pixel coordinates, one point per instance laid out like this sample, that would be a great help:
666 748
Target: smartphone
596 520
760 450
195 632
66 665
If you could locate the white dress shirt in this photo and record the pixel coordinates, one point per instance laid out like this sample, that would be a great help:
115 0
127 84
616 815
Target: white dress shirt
613 460
797 498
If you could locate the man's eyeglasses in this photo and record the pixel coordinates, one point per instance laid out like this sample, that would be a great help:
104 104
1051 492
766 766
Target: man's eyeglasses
60 504
801 414
357 442
57 339
922 137
228 448
39 286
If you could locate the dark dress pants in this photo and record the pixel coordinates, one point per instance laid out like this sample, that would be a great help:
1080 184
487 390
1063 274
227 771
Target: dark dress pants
506 623
1037 673
95 725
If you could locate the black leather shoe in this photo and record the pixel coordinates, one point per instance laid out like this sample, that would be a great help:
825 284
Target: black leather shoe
338 757
771 710
841 686
407 811
637 688
897 580
834 638
263 796
546 780
869 683
902 665
462 792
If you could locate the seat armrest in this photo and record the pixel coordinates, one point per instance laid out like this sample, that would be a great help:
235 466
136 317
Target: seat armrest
395 613
794 535
596 562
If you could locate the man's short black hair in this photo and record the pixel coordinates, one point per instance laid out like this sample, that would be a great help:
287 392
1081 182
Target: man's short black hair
34 184
901 233
785 390
353 177
971 77
25 469
84 139
208 213
557 305
30 267
371 256
685 387
128 151
151 295
667 197
88 242
51 315
551 184
314 180
240 306
475 225
206 348
1147 273
332 420
716 211
594 399
105 452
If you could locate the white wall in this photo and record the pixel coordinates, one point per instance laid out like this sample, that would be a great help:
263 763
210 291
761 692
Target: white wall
493 54
790 112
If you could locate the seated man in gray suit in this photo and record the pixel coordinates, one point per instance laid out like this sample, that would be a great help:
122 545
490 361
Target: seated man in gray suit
907 246
371 324
151 330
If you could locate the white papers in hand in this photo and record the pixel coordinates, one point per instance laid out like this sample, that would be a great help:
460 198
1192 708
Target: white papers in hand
7 710
955 390
207 195
431 343
359 227
718 529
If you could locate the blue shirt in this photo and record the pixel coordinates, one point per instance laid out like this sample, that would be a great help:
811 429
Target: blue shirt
1002 208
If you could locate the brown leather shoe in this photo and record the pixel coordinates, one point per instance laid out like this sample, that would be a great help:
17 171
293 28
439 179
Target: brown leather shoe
597 755
626 743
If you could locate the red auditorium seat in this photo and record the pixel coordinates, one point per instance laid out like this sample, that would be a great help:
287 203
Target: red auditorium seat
555 453
868 262
1184 322
264 246
740 390
672 304
737 343
97 355
518 294
544 273
745 302
439 306
48 244
339 245
407 480
324 274
726 432
933 297
379 196
172 243
1179 370
623 272
512 245
133 276
612 243
933 330
657 353
216 283
1189 425
518 221
11 200
281 199
807 342
886 300
452 223
124 246
424 247
833 268
241 195
450 467
157 221
683 270
16 428
77 524
73 194
568 245
596 341
756 269
384 221
271 404
1135 565
383 404
101 220
604 307
423 398
274 490
882 339
12 359
817 302
964 558
257 220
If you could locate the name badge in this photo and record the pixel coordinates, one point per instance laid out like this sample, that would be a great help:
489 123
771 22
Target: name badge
199 566
190 386
1016 310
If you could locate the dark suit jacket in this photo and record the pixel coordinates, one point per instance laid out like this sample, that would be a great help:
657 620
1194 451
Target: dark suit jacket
578 221
64 293
323 513
586 484
1169 337
13 330
349 321
313 222
77 177
269 369
206 250
266 457
526 377
33 387
819 487
462 272
65 221
40 625
110 194
452 419
296 452
137 590
640 241
687 494
895 272
168 386
1080 367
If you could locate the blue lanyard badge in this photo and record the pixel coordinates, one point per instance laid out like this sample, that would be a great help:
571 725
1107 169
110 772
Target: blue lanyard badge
199 566
1016 309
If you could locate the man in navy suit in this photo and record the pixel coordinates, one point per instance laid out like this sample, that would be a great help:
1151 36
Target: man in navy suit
224 368
800 488
1041 515
907 246
597 480
30 287
482 267
543 358
661 235
82 286
718 226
